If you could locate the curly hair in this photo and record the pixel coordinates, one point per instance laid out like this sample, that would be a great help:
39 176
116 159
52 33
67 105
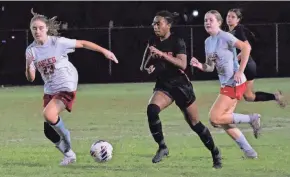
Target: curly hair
169 17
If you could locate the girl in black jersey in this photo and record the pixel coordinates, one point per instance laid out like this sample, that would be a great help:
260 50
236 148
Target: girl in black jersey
168 60
234 17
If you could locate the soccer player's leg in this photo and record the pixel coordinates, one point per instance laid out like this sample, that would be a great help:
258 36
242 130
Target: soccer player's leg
220 114
185 99
241 140
54 125
251 96
259 96
159 101
250 73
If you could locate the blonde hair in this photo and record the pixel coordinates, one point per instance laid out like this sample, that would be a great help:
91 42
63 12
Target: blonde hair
52 24
217 15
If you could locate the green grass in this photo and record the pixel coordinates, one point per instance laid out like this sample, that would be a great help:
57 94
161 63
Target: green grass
116 113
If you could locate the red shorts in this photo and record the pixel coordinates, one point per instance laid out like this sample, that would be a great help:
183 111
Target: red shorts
67 98
234 92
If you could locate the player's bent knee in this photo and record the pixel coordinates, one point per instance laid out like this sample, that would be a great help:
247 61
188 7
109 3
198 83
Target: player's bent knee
214 119
213 124
249 97
190 116
152 112
50 115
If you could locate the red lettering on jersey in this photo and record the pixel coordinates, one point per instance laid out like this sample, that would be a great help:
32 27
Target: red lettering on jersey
46 62
51 60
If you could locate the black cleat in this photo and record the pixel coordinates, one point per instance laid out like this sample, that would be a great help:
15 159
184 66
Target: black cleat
160 154
217 158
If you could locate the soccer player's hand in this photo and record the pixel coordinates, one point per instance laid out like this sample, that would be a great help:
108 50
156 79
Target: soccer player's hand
150 69
155 52
194 62
238 76
111 56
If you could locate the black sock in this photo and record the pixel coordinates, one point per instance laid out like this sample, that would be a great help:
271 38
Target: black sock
50 133
156 131
155 124
204 135
263 96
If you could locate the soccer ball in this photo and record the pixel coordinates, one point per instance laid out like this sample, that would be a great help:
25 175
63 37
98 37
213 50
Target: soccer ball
101 151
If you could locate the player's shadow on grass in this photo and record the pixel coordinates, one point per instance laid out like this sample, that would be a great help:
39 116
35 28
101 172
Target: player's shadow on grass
27 164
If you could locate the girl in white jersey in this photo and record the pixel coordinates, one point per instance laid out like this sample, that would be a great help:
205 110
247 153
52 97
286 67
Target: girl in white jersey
220 50
48 54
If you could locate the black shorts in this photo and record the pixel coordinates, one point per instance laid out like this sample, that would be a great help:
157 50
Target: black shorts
251 69
179 89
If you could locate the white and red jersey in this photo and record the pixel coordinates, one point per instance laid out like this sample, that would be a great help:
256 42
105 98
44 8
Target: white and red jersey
51 60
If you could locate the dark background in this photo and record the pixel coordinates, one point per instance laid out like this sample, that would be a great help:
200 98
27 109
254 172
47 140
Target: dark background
90 21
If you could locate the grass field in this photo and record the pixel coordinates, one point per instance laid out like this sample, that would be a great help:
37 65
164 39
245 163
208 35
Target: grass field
116 113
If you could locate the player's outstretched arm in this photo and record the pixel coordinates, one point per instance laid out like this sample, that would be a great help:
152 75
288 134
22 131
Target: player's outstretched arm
92 46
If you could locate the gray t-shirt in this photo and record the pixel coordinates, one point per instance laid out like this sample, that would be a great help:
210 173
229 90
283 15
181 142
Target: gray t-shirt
220 50
51 60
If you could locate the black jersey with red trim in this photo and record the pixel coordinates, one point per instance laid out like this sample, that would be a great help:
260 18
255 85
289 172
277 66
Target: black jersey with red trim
173 45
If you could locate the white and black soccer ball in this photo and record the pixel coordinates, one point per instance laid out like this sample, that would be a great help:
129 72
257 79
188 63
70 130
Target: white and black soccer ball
101 151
